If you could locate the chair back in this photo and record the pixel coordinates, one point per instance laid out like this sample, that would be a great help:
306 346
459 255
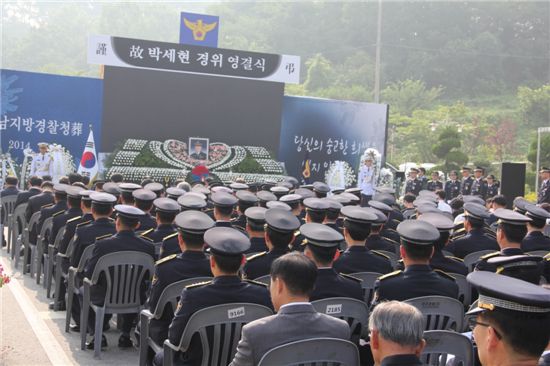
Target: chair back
125 274
354 312
314 352
394 258
264 279
464 289
18 217
46 230
219 328
85 257
59 237
32 223
471 259
368 279
172 292
440 344
440 312
8 205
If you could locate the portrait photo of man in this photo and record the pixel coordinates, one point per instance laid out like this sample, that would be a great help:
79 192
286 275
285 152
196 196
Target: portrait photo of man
198 148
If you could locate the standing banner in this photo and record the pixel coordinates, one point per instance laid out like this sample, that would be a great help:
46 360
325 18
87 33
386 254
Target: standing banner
199 29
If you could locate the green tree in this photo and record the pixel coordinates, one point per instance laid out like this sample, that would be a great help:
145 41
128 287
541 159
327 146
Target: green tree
319 73
447 149
409 95
534 105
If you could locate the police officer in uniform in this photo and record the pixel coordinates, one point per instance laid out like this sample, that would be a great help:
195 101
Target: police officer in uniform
190 263
357 257
316 212
377 242
333 214
439 261
174 193
42 163
125 239
479 185
543 195
492 186
295 202
192 201
126 190
414 185
73 210
387 231
144 201
511 260
265 197
320 189
255 221
279 235
418 279
224 204
166 210
227 246
197 223
452 186
246 200
321 244
535 238
434 184
59 206
467 181
476 239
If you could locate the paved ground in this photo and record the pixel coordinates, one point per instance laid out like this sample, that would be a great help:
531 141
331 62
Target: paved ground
31 334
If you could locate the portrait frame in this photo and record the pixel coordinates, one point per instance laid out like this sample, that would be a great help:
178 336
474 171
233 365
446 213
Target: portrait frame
204 142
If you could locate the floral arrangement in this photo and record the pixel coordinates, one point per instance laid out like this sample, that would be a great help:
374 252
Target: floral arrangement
4 278
133 144
340 175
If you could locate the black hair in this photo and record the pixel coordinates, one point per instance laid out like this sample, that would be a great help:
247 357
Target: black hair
323 255
245 205
357 231
192 241
145 182
87 203
60 196
317 216
47 178
279 239
513 233
117 178
228 263
527 333
255 226
143 205
73 202
500 200
297 271
129 222
474 223
166 217
441 194
417 252
74 177
538 223
64 180
293 204
127 197
409 197
224 210
376 228
332 214
11 180
320 194
423 170
99 185
35 181
85 179
442 241
101 209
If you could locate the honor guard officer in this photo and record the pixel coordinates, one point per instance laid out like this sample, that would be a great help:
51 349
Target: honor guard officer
479 185
439 261
224 204
492 186
414 185
42 163
512 320
511 260
321 245
59 206
535 238
357 257
125 239
144 201
418 279
255 221
227 246
191 223
434 184
189 262
543 195
476 239
467 181
174 193
377 242
320 189
265 197
279 236
192 202
452 186
294 201
333 214
366 181
246 199
166 210
126 190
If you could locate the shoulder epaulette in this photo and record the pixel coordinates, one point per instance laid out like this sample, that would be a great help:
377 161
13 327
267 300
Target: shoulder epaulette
389 275
380 254
350 277
146 238
444 274
166 259
392 230
146 232
198 284
458 231
47 205
103 237
455 258
74 219
457 237
111 219
490 255
390 240
547 257
257 283
58 213
396 221
255 256
83 223
297 233
169 236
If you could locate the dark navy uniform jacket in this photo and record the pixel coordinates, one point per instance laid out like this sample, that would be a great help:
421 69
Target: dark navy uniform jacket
466 185
170 245
401 360
543 195
260 264
530 272
360 259
479 188
86 235
257 245
146 222
492 190
377 242
452 189
240 221
60 220
415 281
23 196
331 284
474 241
48 212
535 240
390 234
70 230
158 234
9 191
221 290
173 268
434 185
35 204
413 186
446 264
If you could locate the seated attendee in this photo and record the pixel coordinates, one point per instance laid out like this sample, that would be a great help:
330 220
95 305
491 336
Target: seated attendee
316 210
320 189
246 199
293 277
535 238
442 205
227 246
333 213
511 260
34 189
408 205
166 210
279 236
10 187
396 330
497 202
126 190
387 231
59 206
418 278
321 245
197 223
375 241
73 210
357 257
144 199
512 323
117 178
224 204
295 202
255 221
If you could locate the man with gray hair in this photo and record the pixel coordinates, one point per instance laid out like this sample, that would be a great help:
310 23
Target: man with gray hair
396 330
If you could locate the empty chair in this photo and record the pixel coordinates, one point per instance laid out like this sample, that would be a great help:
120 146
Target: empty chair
18 223
264 279
8 206
440 312
313 352
169 296
440 344
224 323
30 248
471 259
354 312
50 260
73 287
125 274
368 279
464 289
59 273
41 246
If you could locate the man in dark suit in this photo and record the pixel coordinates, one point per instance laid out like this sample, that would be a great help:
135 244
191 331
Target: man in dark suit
293 277
73 210
246 199
34 189
124 240
535 238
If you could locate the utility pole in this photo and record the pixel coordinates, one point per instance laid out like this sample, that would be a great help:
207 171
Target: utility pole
377 65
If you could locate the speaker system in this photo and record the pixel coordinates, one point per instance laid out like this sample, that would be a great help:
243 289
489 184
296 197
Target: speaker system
512 183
